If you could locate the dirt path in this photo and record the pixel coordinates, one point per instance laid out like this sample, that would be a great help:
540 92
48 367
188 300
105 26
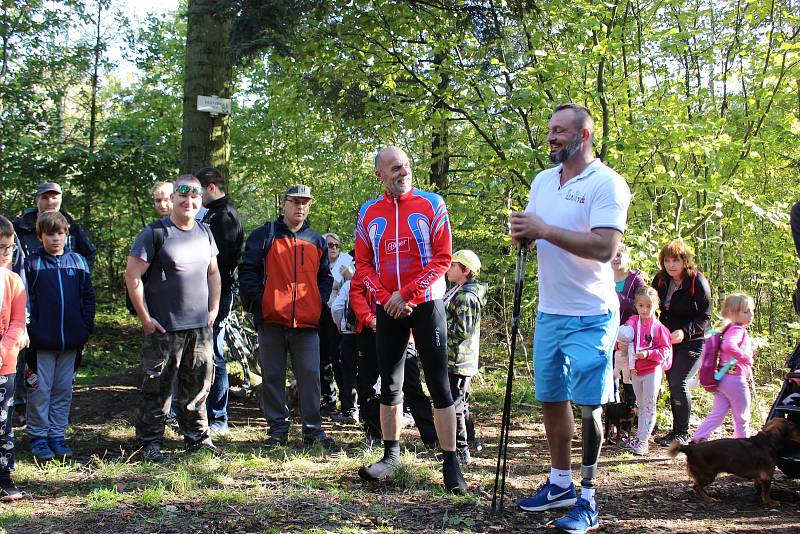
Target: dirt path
648 494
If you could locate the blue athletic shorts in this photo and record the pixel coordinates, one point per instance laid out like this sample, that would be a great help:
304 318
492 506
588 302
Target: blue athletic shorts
573 357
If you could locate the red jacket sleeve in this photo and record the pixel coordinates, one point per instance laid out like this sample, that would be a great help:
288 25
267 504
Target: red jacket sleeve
359 301
17 300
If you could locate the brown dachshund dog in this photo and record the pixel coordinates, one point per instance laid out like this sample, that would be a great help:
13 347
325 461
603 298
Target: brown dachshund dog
752 457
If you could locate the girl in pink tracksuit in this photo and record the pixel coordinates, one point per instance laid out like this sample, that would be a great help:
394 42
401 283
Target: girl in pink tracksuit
732 392
653 354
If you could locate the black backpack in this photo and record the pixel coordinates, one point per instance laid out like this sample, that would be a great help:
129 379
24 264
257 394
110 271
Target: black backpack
159 233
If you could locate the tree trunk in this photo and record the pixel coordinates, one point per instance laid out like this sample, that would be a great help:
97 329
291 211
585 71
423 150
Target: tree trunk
205 139
88 193
440 151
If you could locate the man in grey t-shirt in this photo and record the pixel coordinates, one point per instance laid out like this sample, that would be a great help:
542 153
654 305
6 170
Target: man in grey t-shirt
176 301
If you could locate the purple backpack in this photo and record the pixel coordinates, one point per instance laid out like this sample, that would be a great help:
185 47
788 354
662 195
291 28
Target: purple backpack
709 358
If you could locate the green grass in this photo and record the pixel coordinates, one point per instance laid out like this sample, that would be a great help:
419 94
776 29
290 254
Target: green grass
10 517
104 499
152 496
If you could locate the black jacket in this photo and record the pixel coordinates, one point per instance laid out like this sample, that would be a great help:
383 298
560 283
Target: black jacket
689 309
77 240
226 227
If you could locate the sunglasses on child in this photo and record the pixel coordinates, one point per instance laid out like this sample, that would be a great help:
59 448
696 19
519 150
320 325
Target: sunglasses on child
191 190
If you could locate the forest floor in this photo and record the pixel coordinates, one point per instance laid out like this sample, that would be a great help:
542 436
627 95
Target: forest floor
107 488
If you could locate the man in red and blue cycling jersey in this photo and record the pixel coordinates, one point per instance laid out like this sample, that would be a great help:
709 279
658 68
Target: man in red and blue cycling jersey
403 249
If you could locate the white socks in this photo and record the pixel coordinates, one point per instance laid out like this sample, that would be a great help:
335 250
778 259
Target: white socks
587 494
561 477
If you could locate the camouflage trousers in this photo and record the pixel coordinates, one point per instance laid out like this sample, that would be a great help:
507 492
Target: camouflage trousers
187 357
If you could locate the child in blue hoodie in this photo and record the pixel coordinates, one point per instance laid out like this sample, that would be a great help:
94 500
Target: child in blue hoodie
62 307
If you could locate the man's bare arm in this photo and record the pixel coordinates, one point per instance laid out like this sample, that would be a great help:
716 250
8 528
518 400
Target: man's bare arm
133 281
600 244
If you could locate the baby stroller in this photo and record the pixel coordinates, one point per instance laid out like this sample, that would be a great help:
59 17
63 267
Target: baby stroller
787 405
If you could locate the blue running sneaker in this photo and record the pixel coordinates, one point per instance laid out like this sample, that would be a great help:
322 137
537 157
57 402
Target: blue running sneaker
549 496
59 447
40 450
581 518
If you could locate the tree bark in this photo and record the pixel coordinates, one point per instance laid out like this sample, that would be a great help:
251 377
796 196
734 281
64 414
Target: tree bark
440 151
205 139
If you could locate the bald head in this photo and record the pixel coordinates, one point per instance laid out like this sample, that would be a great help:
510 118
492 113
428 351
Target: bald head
394 170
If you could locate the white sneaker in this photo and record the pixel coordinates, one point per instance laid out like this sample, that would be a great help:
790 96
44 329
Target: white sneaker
640 448
631 444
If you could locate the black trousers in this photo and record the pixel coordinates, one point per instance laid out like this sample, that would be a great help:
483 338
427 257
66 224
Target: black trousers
428 324
328 357
459 387
348 363
685 364
414 397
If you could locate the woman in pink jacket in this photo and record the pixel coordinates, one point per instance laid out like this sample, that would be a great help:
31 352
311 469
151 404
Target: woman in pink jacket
653 354
732 393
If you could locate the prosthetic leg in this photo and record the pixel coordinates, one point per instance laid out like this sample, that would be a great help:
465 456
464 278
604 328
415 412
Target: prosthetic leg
592 430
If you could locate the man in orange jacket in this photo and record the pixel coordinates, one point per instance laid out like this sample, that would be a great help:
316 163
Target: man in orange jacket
284 279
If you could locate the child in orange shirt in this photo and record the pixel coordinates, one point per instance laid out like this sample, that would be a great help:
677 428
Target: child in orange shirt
12 338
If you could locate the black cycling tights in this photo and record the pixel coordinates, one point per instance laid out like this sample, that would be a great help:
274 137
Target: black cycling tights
428 324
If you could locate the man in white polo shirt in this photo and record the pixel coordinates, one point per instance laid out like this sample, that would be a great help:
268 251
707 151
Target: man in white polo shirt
576 216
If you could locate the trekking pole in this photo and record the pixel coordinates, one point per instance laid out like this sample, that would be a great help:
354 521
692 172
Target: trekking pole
505 423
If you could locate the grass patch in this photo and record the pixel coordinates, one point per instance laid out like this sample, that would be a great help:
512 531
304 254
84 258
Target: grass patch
180 481
152 497
9 518
104 499
227 496
118 430
637 469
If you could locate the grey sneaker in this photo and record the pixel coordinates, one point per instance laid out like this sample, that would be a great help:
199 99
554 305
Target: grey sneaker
151 452
683 439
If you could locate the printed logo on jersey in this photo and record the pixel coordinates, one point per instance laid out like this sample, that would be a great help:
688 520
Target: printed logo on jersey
427 280
578 197
370 285
402 244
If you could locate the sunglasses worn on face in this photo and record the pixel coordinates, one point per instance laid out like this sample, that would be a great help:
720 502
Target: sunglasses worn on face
333 245
192 190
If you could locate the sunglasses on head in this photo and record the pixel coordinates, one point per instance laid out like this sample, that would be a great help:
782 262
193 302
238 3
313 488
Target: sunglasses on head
193 190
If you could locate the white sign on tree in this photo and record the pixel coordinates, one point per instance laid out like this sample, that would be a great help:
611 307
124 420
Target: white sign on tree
214 105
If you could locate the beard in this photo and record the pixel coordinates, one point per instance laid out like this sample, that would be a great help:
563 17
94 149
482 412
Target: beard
400 186
565 153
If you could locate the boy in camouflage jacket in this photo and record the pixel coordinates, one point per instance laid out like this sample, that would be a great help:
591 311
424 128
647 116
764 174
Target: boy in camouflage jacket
463 304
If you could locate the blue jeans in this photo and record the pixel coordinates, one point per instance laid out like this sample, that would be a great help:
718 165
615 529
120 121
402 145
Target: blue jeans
217 402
